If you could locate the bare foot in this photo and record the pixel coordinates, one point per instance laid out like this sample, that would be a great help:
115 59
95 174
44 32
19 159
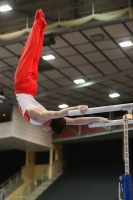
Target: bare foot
40 14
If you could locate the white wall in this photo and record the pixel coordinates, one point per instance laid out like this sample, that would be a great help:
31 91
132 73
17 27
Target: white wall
20 134
22 129
5 129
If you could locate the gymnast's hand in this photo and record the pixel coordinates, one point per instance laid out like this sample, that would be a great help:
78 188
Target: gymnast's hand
83 109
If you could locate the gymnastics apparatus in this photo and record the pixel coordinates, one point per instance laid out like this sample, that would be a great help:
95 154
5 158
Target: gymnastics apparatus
125 185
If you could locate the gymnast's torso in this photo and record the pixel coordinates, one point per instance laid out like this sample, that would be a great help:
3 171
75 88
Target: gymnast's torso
26 102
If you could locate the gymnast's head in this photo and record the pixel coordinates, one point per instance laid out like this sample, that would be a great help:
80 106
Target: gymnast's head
54 126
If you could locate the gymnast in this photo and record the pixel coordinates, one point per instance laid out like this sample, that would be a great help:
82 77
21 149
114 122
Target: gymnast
25 85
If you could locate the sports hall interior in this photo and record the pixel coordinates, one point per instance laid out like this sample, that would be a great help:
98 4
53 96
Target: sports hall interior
84 37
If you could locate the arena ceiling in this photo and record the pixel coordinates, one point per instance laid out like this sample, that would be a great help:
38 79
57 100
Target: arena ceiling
104 65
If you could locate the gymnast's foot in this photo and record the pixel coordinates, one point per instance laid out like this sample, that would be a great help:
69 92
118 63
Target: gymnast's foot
40 15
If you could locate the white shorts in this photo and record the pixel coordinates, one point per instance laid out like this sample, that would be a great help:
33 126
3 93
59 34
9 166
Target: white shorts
26 102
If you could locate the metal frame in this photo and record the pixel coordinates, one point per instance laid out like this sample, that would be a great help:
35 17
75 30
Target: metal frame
102 109
110 123
125 179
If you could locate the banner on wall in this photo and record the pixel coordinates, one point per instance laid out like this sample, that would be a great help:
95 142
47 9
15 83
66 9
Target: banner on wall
105 17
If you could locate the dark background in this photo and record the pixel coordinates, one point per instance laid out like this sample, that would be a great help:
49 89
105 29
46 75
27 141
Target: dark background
91 172
108 151
6 109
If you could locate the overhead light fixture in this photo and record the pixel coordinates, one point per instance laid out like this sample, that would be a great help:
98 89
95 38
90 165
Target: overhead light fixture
78 81
2 97
5 8
48 57
63 106
126 44
114 95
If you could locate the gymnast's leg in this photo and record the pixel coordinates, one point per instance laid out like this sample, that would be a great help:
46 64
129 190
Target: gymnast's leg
26 73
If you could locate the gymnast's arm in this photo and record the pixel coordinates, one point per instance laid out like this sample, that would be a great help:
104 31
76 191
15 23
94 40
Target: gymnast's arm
45 115
84 120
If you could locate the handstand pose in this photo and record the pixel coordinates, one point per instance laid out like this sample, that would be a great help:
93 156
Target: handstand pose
25 84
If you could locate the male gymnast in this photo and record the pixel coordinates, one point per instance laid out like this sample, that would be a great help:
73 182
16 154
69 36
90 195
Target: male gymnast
25 85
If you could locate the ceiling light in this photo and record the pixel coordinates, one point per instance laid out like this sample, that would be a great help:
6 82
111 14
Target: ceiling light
5 8
63 106
113 95
78 81
126 44
48 57
2 97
